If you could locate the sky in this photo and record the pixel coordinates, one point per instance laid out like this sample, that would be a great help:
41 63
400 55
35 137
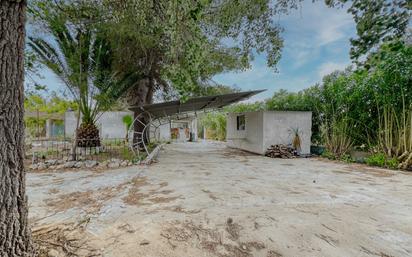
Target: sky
316 42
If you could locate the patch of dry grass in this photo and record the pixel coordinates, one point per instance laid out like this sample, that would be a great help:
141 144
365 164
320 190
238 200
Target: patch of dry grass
136 197
211 240
91 201
62 240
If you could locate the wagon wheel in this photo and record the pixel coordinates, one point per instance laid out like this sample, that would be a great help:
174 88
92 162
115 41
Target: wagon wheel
154 130
151 133
135 146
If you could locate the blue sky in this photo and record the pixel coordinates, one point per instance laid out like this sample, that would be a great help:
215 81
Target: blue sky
316 42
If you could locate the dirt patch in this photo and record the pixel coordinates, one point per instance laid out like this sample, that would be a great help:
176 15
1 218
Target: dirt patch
163 184
63 240
139 182
179 209
188 232
210 240
91 201
136 197
126 228
235 251
272 253
71 200
53 191
377 172
256 245
211 196
37 185
343 172
165 192
163 199
328 239
237 153
233 229
58 181
370 252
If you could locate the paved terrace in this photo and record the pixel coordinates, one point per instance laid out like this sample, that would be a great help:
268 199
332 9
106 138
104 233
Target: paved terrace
204 199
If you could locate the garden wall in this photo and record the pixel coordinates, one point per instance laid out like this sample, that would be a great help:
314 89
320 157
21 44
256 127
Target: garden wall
110 124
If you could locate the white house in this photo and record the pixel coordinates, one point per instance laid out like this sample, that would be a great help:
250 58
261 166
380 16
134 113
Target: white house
257 131
111 125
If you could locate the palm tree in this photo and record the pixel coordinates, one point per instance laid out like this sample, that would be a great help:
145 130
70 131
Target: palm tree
80 58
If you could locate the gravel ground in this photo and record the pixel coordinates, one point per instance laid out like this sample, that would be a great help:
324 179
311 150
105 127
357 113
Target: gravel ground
204 199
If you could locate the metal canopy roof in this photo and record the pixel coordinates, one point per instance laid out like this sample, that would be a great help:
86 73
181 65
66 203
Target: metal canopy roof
171 108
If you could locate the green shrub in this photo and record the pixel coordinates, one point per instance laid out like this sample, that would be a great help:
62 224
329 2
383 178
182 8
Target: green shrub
346 158
215 123
336 137
329 155
392 163
127 154
381 160
378 159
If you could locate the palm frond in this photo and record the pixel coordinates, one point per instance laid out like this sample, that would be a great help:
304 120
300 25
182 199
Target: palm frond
48 56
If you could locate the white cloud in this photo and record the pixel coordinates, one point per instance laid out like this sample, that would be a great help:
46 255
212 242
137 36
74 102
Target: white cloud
318 24
334 27
329 67
257 77
316 43
300 53
262 77
314 27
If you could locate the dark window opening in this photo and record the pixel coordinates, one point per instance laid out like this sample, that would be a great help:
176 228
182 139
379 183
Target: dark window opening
241 123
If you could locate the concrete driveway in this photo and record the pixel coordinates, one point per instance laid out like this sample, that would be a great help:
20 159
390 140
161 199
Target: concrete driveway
204 199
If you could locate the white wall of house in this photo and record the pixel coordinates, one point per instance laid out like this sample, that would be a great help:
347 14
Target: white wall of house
279 126
110 124
250 139
70 123
265 128
164 130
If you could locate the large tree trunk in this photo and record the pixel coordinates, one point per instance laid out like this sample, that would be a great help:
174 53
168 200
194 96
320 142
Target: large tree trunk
140 95
14 229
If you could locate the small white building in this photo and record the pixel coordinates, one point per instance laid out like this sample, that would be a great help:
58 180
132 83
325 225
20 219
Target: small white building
257 131
111 126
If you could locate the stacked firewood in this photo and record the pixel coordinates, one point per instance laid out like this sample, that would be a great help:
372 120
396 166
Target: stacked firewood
280 151
405 161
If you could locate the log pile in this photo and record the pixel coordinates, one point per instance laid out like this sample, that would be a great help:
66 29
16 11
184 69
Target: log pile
280 151
405 161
